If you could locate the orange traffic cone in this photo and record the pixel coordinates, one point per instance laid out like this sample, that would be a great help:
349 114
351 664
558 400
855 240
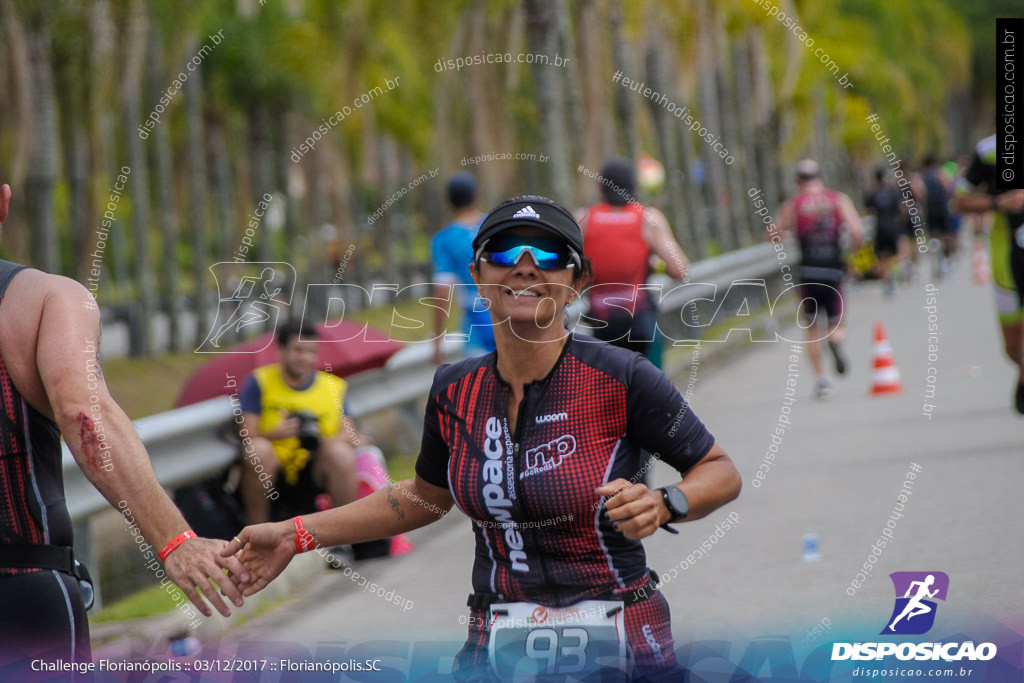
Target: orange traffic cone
981 271
886 378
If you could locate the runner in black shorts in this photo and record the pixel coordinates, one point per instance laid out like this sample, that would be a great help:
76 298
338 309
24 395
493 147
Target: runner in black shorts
51 383
883 202
819 216
539 443
937 193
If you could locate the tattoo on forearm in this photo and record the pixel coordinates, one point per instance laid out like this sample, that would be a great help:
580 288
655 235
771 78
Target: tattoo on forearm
395 505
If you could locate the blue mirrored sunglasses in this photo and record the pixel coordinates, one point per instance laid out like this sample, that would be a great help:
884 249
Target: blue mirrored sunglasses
547 254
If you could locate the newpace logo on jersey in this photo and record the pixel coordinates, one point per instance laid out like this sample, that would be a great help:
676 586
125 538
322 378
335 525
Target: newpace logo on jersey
498 504
914 614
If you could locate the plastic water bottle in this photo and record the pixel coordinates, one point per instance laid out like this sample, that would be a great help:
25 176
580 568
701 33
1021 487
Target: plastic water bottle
812 551
185 647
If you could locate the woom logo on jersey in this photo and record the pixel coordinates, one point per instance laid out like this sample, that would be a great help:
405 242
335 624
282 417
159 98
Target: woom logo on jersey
498 504
914 614
552 417
547 457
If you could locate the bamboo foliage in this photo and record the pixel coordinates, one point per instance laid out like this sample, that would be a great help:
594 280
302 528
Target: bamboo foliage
80 77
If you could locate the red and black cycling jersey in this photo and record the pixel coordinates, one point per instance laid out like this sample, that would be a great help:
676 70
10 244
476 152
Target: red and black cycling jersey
540 536
32 507
819 226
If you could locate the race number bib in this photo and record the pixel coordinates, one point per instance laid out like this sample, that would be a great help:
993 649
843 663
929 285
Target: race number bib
527 639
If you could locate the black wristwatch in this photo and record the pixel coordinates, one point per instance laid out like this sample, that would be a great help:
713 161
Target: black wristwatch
677 504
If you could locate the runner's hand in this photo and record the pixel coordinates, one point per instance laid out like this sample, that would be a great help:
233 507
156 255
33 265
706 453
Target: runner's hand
634 509
264 551
1011 202
285 429
197 562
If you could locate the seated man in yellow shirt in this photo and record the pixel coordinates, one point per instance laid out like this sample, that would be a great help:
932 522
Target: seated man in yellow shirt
294 419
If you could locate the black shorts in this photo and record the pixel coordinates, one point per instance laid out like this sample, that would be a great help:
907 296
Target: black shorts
817 296
886 245
42 616
939 225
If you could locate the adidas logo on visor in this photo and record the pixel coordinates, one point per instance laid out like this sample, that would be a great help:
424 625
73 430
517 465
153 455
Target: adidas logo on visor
527 212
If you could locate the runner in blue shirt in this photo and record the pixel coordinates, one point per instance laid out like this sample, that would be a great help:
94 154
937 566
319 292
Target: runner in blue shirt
452 252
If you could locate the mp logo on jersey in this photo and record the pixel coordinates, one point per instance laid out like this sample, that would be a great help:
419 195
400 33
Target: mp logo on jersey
548 456
916 592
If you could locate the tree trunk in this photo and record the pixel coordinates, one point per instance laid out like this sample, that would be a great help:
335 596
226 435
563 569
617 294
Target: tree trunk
484 121
762 108
382 227
711 119
168 224
665 134
41 173
197 194
628 142
542 38
76 162
260 151
739 217
746 158
141 345
220 177
696 207
104 62
164 185
574 93
592 73
19 97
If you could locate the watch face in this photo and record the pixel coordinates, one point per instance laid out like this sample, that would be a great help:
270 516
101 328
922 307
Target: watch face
677 503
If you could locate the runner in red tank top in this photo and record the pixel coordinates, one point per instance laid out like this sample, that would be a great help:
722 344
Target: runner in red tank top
620 235
818 216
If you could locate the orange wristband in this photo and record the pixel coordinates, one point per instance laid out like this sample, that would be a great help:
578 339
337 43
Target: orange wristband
175 542
303 539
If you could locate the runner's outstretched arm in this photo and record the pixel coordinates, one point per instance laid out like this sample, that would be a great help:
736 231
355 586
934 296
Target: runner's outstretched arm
266 549
66 334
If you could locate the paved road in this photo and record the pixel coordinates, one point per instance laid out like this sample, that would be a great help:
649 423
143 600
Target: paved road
838 473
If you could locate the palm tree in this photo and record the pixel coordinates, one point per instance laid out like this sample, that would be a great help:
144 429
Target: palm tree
41 171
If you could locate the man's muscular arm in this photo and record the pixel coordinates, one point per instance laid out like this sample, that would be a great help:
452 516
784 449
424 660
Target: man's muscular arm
104 442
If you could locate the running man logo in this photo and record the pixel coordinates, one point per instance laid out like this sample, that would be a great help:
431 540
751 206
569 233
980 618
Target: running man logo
914 612
256 294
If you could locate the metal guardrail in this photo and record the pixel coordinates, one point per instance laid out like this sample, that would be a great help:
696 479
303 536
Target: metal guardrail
187 445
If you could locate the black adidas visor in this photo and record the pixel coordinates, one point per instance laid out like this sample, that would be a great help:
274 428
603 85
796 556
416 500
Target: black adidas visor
530 211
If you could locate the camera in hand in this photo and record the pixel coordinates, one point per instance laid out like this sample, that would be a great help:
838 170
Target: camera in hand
309 431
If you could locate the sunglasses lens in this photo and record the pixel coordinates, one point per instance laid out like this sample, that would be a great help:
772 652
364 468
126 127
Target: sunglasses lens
548 254
545 260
